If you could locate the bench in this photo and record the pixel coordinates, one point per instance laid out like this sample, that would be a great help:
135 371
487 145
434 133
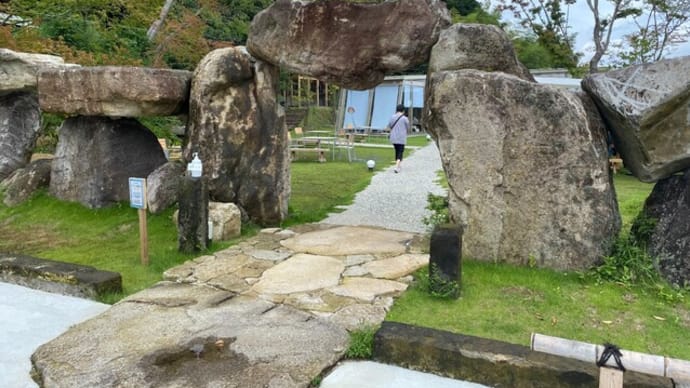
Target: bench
305 145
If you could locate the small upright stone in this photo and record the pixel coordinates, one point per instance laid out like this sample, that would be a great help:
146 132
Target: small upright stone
193 216
445 260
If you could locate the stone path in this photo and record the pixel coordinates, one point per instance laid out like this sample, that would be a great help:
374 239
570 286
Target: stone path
272 311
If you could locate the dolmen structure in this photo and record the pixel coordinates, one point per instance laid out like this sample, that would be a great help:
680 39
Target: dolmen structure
527 164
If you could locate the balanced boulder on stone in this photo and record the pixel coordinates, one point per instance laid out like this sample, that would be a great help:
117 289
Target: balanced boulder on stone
96 156
476 46
647 107
20 70
351 44
527 169
114 91
238 130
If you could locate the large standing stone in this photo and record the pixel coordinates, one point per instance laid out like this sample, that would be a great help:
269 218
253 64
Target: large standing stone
25 181
114 91
20 123
19 70
352 44
476 46
665 227
181 335
527 168
96 156
647 107
238 128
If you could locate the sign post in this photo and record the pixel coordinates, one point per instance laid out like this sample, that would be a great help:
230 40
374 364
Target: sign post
137 199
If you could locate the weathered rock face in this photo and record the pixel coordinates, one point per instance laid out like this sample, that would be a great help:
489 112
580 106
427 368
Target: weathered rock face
19 70
476 46
114 91
351 44
177 335
527 169
668 235
647 107
20 123
95 157
162 184
24 181
238 129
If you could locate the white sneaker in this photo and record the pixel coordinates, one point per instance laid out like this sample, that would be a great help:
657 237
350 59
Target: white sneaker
397 170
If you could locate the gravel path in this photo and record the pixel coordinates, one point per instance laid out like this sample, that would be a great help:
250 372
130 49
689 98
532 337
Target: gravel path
396 201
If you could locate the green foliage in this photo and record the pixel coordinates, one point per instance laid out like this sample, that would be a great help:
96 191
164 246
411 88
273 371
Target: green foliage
48 137
438 205
437 285
361 343
628 264
162 127
532 54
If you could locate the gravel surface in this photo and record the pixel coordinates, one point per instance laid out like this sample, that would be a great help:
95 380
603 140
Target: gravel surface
396 201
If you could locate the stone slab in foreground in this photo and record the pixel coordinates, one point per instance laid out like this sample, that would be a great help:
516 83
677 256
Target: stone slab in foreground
182 335
490 362
58 277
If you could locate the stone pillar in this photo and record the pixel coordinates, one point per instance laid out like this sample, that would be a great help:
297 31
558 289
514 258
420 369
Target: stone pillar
192 221
445 265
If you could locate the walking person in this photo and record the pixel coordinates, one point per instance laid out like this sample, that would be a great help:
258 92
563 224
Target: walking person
399 124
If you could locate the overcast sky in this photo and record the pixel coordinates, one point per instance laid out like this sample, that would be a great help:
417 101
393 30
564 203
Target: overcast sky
582 21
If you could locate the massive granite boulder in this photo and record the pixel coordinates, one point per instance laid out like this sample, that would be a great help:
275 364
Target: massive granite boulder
664 227
114 91
238 129
19 70
20 124
527 168
476 46
647 107
183 335
96 156
351 44
23 182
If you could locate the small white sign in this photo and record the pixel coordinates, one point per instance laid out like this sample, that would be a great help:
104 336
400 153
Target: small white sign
137 193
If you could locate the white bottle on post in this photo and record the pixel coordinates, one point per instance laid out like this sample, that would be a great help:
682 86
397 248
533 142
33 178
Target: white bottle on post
194 167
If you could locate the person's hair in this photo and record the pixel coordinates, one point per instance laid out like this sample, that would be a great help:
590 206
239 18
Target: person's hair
400 108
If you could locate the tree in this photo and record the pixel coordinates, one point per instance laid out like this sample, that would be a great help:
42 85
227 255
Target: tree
549 23
663 24
603 26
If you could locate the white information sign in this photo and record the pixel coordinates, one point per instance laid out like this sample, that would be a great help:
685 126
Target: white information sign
137 193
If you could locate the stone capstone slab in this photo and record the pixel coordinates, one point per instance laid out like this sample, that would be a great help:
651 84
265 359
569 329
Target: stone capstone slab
58 277
528 175
238 130
20 124
177 335
664 229
647 108
301 272
23 182
476 46
349 240
114 91
351 44
19 70
367 289
96 156
489 362
396 267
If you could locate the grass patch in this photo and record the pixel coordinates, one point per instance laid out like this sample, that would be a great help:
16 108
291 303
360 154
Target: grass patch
621 302
361 343
107 239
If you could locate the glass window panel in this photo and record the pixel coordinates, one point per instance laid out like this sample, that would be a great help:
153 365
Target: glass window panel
385 100
356 109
